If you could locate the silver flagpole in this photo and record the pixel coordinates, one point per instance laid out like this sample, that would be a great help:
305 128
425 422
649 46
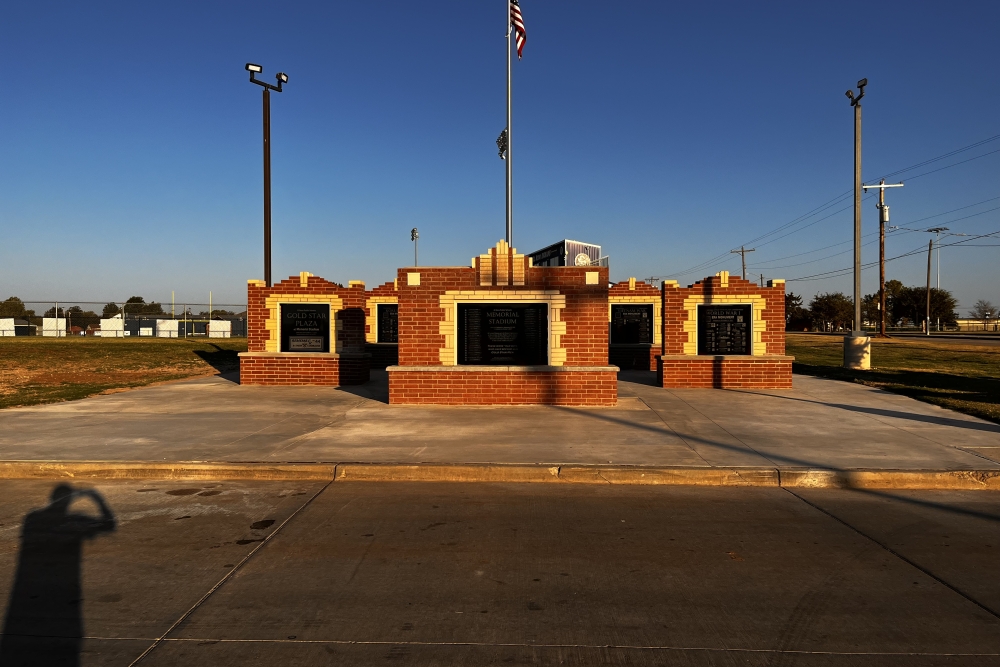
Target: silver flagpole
510 182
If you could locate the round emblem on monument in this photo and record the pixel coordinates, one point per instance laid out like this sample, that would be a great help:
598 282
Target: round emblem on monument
583 259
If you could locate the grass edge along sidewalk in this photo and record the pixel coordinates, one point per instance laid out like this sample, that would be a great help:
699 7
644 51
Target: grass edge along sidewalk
36 370
987 479
954 375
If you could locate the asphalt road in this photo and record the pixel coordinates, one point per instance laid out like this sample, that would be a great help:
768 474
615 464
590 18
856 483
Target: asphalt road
279 573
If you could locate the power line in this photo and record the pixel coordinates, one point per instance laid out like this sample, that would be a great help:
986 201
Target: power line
839 198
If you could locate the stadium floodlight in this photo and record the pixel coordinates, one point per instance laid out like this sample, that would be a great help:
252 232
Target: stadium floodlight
254 68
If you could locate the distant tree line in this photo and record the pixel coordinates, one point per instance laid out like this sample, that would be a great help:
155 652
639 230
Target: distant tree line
905 306
135 306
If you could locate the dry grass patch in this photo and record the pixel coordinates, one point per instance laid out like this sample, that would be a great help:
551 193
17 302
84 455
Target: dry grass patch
44 370
957 375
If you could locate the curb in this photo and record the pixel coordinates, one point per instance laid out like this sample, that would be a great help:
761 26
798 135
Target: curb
795 478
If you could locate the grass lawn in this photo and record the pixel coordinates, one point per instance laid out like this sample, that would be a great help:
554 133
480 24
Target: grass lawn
36 370
957 375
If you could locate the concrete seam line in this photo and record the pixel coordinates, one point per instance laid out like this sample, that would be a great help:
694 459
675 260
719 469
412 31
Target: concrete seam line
228 576
898 555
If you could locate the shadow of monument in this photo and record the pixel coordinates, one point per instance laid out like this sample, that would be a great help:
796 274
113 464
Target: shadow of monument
226 362
44 620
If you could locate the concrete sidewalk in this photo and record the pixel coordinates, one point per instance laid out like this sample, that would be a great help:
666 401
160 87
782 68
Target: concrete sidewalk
819 425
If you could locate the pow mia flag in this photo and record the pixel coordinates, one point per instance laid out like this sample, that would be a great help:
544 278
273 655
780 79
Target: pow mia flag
502 144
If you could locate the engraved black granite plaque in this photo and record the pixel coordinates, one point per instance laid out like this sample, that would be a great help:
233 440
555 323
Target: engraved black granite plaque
305 327
632 324
509 334
725 329
388 323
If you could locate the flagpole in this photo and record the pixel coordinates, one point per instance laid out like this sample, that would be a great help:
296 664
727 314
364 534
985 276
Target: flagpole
510 185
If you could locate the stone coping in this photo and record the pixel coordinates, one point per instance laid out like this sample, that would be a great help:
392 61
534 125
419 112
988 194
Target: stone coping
306 355
725 357
506 369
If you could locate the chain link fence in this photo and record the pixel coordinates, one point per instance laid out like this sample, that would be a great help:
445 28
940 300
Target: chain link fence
133 318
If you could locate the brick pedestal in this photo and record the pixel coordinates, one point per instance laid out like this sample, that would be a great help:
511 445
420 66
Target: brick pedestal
504 385
307 368
725 372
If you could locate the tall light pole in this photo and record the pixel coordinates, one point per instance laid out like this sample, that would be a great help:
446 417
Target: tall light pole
282 78
883 220
857 346
414 235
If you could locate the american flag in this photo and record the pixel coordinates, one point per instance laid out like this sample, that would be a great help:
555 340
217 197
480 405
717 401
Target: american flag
515 20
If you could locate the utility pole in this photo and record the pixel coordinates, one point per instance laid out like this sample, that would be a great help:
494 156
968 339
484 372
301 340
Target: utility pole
883 220
937 231
857 346
927 321
743 259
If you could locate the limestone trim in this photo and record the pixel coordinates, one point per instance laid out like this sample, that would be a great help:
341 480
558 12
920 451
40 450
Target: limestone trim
371 319
650 299
273 322
448 326
757 303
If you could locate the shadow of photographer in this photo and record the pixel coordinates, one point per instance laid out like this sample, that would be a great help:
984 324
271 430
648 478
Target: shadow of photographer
44 620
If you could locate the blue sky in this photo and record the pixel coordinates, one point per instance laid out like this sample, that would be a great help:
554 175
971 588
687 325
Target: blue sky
669 133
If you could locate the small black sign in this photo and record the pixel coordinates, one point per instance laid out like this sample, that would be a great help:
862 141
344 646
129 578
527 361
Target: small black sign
632 324
725 329
305 327
514 334
388 323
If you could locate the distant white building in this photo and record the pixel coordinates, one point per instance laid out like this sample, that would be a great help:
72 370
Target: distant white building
54 327
166 328
6 326
112 327
220 329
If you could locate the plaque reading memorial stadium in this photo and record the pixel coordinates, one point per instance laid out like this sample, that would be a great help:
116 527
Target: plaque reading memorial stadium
305 327
632 324
724 329
509 334
388 323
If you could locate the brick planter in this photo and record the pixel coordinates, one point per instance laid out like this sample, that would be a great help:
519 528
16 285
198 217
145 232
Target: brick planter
725 372
503 385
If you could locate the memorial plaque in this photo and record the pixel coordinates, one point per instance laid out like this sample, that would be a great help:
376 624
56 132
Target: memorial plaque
632 324
305 327
725 329
509 334
388 323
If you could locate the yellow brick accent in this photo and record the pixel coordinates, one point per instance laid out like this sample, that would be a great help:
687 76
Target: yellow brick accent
356 283
255 282
501 265
593 277
657 311
486 269
371 318
671 283
304 278
413 279
758 324
631 284
272 323
725 277
448 325
775 282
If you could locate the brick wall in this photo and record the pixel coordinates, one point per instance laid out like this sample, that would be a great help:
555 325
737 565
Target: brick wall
503 387
347 363
680 366
426 334
634 356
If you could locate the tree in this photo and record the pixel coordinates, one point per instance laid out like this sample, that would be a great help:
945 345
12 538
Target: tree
832 310
893 289
110 310
983 310
14 307
796 317
136 305
870 311
911 303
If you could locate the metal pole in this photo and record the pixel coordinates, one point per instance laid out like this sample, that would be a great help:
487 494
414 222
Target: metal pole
857 219
881 262
267 187
510 172
415 262
927 323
